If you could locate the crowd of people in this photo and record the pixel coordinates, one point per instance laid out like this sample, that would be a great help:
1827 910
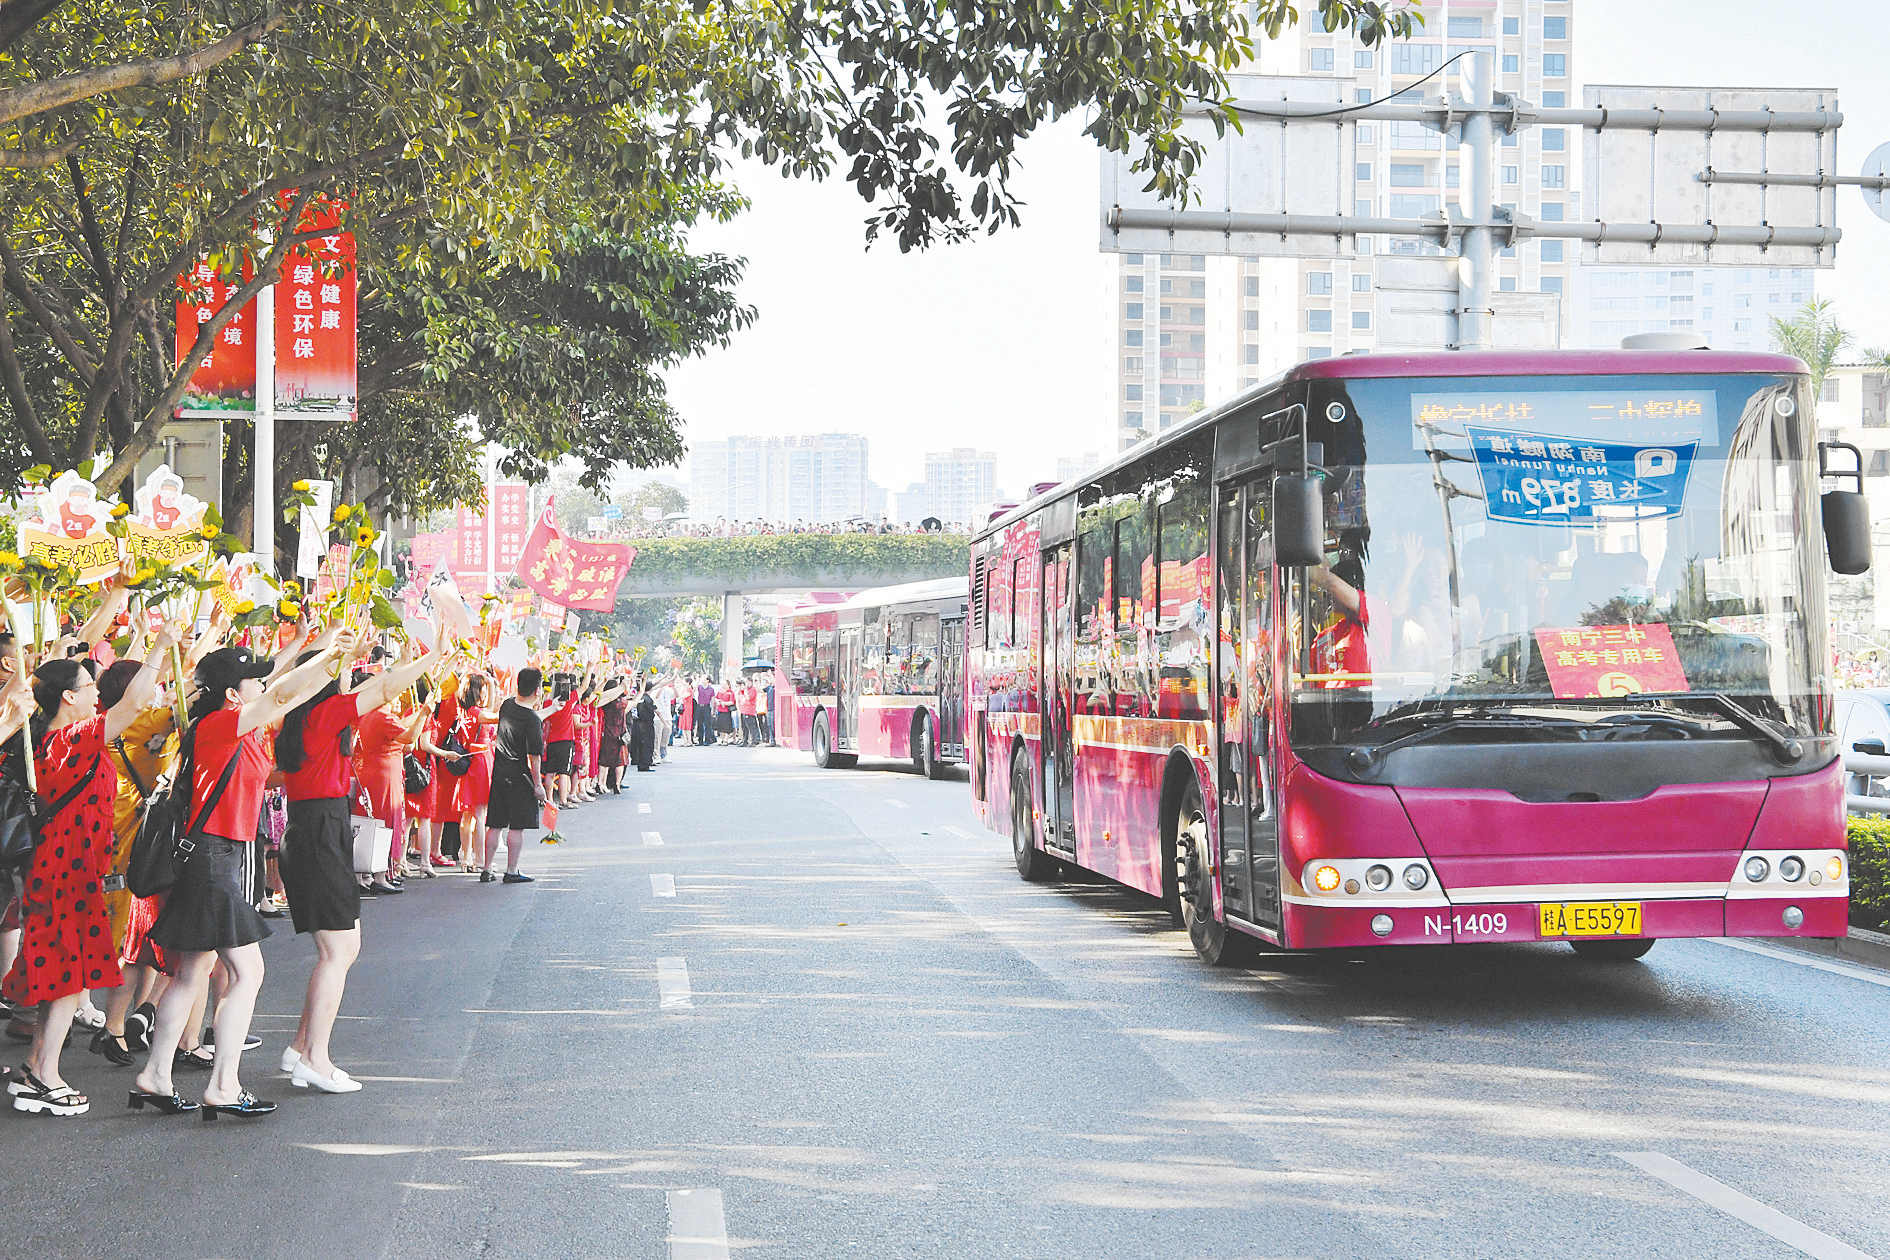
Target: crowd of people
341 768
724 528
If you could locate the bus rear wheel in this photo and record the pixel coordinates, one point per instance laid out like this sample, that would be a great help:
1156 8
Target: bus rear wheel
824 755
1217 944
925 748
1032 863
1614 949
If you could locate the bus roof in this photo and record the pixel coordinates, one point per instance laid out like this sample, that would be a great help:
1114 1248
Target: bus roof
1445 363
905 593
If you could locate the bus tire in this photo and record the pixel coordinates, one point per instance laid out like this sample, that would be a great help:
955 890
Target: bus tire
925 747
824 755
1614 949
1032 863
1217 944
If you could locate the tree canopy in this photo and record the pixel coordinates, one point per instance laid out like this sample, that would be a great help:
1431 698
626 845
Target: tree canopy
520 176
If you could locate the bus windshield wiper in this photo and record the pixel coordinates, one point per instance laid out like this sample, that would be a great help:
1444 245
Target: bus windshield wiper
1363 758
1786 748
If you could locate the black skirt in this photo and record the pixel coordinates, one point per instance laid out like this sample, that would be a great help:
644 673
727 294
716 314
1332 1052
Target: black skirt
514 804
209 906
317 867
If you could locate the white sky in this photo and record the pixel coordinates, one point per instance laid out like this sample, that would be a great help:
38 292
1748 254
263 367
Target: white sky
999 344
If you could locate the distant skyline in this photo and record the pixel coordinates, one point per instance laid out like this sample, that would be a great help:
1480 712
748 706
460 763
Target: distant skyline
1001 343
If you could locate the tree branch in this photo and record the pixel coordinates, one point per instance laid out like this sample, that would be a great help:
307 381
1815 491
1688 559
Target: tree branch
34 159
15 382
76 358
17 17
37 98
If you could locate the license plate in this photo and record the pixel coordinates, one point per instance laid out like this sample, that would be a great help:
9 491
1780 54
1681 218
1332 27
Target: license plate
1591 918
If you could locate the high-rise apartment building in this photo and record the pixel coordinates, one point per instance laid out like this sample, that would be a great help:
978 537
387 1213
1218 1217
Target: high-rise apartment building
1728 307
1070 467
818 478
960 484
1189 329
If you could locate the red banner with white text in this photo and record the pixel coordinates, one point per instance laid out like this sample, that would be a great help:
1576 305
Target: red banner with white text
572 574
224 380
315 321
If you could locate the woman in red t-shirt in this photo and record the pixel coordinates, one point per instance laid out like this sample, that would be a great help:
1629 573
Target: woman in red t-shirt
210 915
470 791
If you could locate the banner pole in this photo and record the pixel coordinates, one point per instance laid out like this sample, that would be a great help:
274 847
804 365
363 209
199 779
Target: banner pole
263 453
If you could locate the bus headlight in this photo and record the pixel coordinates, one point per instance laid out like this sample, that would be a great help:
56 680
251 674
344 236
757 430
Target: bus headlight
1834 869
1791 869
1415 877
1326 878
1757 868
1378 878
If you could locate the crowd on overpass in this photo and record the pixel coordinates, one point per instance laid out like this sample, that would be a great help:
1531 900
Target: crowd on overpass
724 528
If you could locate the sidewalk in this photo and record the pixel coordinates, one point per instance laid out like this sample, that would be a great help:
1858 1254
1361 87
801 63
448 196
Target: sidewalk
1869 949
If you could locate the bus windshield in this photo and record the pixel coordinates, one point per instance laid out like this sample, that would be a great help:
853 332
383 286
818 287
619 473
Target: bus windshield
1551 557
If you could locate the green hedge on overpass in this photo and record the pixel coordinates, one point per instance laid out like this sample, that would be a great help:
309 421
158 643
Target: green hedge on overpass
762 562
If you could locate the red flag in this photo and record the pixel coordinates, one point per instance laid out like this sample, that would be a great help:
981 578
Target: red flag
572 574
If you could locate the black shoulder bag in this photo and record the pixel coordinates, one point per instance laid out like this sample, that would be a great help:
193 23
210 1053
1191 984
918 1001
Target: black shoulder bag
160 849
22 817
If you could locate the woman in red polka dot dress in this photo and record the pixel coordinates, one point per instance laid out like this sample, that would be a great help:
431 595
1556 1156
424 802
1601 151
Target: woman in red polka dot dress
67 943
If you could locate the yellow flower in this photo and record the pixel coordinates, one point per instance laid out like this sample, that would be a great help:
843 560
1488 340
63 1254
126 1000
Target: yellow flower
245 606
9 562
120 510
208 533
292 589
145 574
46 563
342 512
300 487
364 537
288 610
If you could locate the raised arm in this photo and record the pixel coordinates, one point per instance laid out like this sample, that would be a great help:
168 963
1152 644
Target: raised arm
293 687
142 689
389 683
16 700
114 600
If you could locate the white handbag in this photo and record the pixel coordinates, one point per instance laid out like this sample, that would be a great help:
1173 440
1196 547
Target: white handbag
373 842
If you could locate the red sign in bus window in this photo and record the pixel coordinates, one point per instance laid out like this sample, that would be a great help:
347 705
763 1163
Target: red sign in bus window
1626 660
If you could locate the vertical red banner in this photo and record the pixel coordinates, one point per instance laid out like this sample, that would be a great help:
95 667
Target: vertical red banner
511 507
472 542
315 321
224 381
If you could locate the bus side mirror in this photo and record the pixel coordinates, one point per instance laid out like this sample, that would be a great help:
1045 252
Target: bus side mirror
1299 524
1846 514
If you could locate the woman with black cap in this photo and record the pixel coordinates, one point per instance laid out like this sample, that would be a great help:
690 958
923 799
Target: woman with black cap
210 915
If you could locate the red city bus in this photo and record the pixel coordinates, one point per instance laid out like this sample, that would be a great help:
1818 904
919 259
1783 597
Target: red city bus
881 675
1435 648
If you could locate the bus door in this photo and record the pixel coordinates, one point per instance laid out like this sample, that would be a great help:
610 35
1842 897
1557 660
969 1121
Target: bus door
847 698
1059 645
951 687
1243 704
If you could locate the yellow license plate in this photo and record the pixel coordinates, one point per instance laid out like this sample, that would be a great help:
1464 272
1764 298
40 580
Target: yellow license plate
1591 918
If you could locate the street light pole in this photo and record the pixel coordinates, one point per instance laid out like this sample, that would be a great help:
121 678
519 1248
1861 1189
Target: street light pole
263 452
1476 314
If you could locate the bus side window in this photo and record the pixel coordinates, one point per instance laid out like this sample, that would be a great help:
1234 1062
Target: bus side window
873 673
801 659
922 673
1094 553
826 645
1182 645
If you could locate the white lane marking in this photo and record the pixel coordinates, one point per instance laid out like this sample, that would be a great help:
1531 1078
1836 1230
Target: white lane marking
697 1229
662 885
1793 1233
960 832
643 807
652 837
897 804
1805 960
672 985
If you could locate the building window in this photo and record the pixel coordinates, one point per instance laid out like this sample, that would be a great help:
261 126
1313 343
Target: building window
1830 393
1168 286
1253 354
1555 65
1879 464
1552 139
1509 174
1362 59
1364 133
1414 135
1251 286
1551 284
1132 393
1552 176
1319 352
1414 58
1197 314
1774 298
1743 300
1362 208
1412 205
1132 366
1321 60
1133 310
1361 283
1507 284
1554 100
1361 319
1464 27
1133 337
1165 339
1409 175
1362 96
1706 312
1555 28
1551 251
1131 419
1319 283
1197 341
1742 325
1319 321
1364 171
1512 26
1551 212
1509 140
1197 288
1133 284
1252 321
1512 64
1133 260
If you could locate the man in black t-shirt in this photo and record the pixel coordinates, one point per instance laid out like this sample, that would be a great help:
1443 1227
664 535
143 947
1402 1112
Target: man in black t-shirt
518 786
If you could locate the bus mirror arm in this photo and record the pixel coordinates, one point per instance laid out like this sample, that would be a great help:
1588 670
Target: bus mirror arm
1846 513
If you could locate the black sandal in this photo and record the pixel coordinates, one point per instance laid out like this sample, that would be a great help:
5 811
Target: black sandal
246 1104
116 1050
174 1105
138 1027
191 1061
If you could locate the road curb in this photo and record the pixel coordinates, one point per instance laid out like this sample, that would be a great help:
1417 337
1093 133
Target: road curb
1870 949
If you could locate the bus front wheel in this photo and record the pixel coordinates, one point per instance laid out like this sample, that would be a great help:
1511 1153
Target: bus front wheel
824 755
925 748
1032 863
1614 949
1217 944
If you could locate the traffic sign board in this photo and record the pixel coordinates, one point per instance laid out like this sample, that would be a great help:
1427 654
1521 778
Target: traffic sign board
1877 167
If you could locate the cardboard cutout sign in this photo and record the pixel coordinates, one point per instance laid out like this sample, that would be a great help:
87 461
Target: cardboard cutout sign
67 526
163 525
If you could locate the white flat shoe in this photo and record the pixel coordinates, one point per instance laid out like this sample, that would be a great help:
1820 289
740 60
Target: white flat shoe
304 1076
290 1057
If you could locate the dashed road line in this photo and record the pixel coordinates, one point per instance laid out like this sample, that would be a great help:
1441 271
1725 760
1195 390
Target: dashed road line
643 807
652 837
697 1228
897 804
662 885
672 985
960 832
1805 960
1793 1233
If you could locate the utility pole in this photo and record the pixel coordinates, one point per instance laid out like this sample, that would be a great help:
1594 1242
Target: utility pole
263 451
1476 315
